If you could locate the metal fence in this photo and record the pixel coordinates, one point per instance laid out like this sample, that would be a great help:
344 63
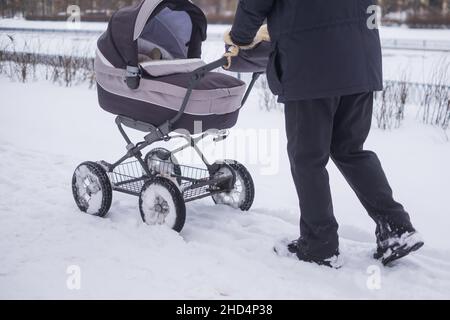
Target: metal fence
391 44
67 70
50 30
414 44
416 93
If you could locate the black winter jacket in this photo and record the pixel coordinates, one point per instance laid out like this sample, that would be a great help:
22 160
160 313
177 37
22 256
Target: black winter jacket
321 48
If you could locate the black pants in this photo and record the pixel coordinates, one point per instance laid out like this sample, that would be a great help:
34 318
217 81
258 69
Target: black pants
337 128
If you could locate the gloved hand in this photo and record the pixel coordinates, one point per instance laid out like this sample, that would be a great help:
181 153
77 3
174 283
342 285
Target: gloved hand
233 50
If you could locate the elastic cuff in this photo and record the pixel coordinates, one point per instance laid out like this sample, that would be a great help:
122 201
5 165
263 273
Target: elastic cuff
238 43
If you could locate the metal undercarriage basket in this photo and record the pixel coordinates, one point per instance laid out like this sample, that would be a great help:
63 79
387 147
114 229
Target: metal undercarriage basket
194 183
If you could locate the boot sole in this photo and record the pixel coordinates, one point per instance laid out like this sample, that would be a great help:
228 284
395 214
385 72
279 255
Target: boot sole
401 252
288 252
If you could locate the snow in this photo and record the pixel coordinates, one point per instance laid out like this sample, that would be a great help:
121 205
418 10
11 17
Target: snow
50 25
46 131
219 29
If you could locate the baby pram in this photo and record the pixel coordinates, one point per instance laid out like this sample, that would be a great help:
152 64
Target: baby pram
150 75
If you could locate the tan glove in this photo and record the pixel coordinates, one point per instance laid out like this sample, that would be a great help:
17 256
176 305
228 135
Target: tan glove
233 51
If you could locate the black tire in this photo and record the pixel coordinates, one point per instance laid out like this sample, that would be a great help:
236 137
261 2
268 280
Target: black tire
244 175
167 192
99 186
166 156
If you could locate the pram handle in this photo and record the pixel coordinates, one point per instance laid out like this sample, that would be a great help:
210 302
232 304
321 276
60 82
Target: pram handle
211 66
197 75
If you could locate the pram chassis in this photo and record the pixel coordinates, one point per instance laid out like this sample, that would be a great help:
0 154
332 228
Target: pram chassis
135 151
162 132
191 187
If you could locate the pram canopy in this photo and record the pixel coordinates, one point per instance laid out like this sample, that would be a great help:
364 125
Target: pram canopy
160 41
175 26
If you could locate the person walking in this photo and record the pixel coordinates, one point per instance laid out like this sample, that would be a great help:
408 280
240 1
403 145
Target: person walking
325 66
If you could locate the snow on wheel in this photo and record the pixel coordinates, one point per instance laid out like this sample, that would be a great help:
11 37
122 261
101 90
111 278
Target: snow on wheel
92 189
161 161
243 192
161 203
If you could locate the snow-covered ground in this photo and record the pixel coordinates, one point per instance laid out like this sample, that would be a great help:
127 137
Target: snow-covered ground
46 130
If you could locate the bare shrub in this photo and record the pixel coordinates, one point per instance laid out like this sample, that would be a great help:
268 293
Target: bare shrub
436 100
401 99
267 100
382 110
64 70
389 107
2 57
23 65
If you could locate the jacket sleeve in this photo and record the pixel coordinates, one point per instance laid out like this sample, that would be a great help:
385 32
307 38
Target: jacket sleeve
250 16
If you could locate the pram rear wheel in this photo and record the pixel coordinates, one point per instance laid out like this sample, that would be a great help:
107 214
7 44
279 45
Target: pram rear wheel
161 203
92 189
243 192
161 161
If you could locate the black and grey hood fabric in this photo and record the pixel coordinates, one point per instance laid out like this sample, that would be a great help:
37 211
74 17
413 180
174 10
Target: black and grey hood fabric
163 40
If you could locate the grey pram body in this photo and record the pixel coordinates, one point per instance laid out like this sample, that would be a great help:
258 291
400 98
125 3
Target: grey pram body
157 87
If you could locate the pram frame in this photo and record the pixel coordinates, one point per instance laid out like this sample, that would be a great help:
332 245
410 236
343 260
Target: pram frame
162 133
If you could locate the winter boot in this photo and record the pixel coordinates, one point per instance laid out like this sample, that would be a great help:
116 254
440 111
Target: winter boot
395 243
295 247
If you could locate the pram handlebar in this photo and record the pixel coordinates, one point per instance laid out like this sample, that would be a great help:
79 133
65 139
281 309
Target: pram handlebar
211 66
198 74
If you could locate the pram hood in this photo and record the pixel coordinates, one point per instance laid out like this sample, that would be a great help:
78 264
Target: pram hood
147 22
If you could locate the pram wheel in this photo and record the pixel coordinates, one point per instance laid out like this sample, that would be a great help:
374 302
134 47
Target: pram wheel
161 203
92 189
243 192
161 161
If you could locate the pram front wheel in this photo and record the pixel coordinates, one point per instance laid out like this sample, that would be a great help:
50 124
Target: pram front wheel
92 189
243 192
161 161
161 203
